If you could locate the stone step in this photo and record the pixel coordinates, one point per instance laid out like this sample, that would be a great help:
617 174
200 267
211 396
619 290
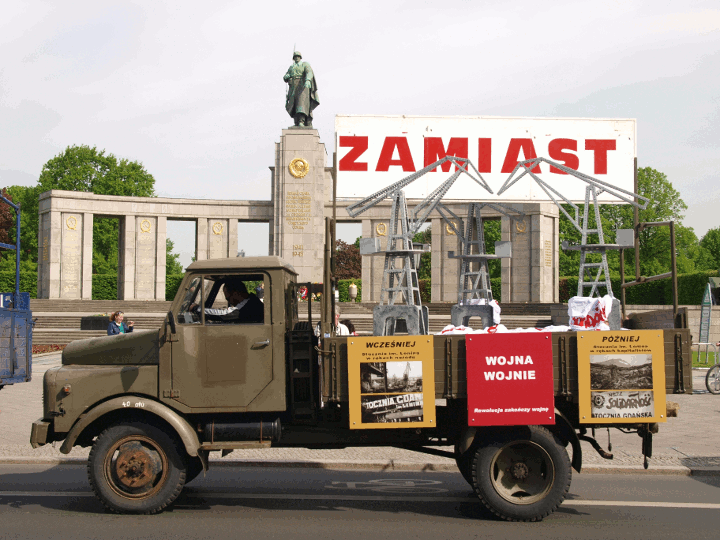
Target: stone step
98 306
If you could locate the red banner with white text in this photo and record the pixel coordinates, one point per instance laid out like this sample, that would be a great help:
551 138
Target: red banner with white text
510 379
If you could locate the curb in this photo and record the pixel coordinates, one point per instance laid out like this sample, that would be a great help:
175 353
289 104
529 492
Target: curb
382 466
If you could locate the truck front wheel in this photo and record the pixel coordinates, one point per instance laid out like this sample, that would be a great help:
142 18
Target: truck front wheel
522 474
136 468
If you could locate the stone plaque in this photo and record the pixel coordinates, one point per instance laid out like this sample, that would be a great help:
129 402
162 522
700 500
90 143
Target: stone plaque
71 256
145 252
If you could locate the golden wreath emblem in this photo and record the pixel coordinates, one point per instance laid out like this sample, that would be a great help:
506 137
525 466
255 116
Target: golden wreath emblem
381 229
217 228
71 223
145 225
449 230
520 226
299 167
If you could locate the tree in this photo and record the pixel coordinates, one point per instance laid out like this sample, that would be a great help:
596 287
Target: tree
82 168
348 262
710 243
26 198
7 219
655 257
172 260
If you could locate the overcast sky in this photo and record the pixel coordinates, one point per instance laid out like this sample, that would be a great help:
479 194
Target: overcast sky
194 90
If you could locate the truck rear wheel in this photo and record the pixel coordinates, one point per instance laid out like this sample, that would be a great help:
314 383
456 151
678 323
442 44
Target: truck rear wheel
522 474
136 468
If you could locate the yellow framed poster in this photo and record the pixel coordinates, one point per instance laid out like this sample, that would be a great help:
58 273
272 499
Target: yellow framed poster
621 376
391 382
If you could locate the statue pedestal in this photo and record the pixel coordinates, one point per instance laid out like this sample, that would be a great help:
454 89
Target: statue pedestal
300 185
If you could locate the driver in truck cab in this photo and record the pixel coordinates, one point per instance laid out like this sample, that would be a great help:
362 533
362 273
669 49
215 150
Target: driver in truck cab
243 307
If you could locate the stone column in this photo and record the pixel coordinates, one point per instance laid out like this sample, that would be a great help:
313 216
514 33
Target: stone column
126 259
146 247
201 237
232 237
298 193
71 255
444 269
531 274
87 256
217 238
161 261
49 251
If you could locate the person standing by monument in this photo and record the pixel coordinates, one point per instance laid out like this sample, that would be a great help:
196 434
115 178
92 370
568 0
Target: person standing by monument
302 95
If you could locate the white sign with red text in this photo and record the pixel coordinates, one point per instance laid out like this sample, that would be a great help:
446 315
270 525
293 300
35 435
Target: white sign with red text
376 151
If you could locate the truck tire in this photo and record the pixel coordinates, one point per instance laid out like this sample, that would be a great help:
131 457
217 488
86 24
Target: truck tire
135 468
521 474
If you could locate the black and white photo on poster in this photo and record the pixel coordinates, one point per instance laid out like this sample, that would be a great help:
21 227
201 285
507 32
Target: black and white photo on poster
379 408
624 404
621 372
390 377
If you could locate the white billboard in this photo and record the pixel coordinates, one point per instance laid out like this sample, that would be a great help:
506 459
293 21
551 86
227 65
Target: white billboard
376 151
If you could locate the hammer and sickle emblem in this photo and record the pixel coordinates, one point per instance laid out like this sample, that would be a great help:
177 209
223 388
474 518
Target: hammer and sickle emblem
449 230
217 228
71 223
520 226
145 225
299 167
381 229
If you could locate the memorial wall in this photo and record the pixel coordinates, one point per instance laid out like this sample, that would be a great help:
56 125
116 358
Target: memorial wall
301 198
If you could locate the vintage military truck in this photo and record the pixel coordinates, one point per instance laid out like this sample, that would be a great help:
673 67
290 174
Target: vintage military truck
154 404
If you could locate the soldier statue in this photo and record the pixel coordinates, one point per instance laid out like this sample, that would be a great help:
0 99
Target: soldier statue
302 96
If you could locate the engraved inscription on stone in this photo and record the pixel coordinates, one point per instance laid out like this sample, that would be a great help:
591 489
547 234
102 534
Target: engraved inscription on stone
297 209
218 238
548 253
145 253
297 250
71 259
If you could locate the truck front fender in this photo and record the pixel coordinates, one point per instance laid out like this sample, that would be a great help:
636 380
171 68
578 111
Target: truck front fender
136 403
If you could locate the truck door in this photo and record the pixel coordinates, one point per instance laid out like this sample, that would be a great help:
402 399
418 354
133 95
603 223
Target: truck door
222 362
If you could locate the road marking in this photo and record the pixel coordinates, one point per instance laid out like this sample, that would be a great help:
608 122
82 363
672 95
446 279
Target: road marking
340 497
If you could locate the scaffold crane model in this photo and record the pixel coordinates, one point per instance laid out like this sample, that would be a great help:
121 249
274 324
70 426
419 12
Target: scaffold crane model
474 291
400 294
595 187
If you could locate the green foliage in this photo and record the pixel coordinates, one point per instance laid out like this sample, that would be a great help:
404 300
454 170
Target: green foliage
425 270
28 281
104 287
172 284
7 263
423 237
172 260
425 290
343 286
26 198
655 257
491 229
711 244
348 261
691 287
81 168
496 288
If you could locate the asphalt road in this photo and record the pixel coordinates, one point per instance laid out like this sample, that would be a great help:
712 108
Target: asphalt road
39 501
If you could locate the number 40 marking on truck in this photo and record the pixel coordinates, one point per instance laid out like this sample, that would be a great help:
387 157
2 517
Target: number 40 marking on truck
136 404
